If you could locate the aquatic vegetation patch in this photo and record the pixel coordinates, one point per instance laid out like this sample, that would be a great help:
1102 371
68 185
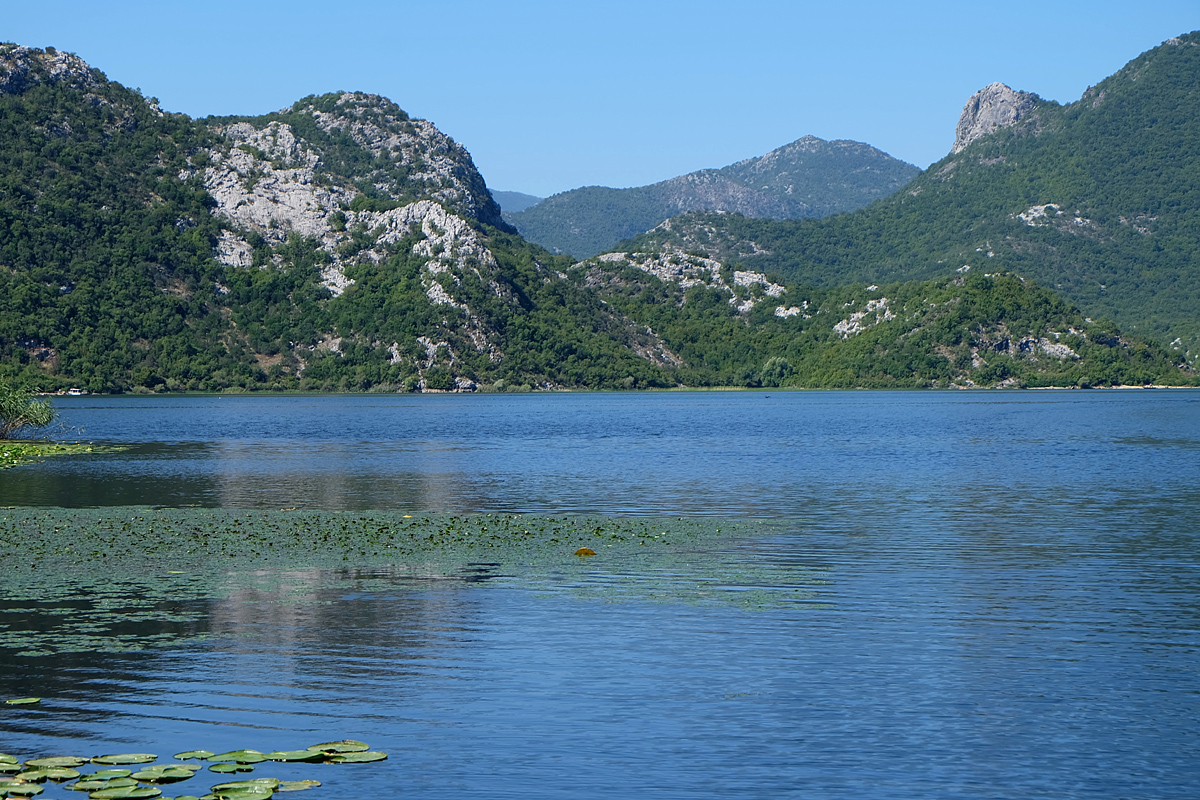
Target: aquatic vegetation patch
122 784
14 452
134 578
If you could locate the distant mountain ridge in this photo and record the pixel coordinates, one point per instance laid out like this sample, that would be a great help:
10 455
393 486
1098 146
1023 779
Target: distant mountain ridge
511 202
810 177
340 245
1097 198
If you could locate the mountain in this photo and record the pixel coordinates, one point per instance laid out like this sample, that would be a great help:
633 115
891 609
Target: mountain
511 202
339 244
335 244
807 178
1096 199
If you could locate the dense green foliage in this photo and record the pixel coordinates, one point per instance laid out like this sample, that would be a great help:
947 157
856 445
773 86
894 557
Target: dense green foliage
808 178
974 330
1120 165
106 272
551 333
108 279
590 219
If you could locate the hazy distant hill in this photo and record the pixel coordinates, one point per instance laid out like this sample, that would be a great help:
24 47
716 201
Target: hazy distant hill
510 202
807 178
1099 199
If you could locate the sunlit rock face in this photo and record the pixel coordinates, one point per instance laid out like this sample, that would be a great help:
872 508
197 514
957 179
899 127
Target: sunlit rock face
992 107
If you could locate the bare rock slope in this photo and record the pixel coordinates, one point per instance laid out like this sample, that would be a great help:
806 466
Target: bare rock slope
993 107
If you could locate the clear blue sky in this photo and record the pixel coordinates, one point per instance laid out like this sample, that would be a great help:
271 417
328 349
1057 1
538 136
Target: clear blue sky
549 95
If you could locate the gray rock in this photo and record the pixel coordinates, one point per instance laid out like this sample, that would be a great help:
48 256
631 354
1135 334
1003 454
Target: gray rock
992 107
22 67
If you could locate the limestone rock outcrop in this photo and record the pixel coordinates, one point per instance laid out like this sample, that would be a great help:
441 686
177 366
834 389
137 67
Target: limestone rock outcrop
270 183
746 289
992 107
22 67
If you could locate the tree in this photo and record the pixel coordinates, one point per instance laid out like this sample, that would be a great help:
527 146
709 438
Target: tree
19 410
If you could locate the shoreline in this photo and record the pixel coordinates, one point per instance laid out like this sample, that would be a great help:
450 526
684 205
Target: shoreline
673 389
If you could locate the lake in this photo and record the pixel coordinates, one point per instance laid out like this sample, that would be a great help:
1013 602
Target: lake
937 595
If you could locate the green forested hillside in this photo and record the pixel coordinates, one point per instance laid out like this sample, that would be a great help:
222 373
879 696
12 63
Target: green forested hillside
973 329
108 279
341 245
106 262
1121 238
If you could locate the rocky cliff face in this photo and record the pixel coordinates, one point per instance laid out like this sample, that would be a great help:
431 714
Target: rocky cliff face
992 107
270 183
411 155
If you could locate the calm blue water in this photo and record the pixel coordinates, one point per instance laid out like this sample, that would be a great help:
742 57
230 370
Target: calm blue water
1009 605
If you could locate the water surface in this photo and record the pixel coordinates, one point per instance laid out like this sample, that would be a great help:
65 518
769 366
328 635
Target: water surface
997 596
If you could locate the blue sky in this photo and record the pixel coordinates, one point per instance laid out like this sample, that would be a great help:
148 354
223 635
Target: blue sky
551 95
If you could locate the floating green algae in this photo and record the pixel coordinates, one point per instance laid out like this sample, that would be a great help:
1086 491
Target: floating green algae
15 452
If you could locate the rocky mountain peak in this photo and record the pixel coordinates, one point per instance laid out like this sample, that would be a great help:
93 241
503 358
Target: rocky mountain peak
412 156
992 107
22 67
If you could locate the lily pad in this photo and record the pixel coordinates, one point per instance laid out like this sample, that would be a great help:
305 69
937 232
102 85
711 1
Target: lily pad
296 786
344 746
357 758
90 785
48 773
261 793
253 783
126 793
56 761
201 754
86 785
5 758
61 773
296 755
240 756
125 758
14 789
22 701
107 774
226 768
9 769
163 774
